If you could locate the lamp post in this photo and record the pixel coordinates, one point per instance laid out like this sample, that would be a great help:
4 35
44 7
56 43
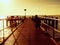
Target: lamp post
25 11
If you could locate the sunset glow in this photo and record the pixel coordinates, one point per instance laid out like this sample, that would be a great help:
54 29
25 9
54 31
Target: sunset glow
40 7
4 1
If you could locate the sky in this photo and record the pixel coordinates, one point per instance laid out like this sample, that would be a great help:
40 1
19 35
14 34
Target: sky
40 7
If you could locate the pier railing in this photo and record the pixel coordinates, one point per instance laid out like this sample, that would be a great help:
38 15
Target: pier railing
14 24
51 26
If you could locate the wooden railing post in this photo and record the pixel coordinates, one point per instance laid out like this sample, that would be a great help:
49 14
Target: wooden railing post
56 23
6 22
46 21
53 28
3 31
49 22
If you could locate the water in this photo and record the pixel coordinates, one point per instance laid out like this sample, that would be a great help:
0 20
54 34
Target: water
7 32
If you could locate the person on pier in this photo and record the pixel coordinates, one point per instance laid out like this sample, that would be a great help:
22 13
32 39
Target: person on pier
37 22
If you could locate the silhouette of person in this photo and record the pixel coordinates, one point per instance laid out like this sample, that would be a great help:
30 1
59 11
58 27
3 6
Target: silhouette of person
37 23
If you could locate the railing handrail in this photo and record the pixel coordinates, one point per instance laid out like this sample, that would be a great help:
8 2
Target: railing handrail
11 34
8 27
49 18
52 27
5 28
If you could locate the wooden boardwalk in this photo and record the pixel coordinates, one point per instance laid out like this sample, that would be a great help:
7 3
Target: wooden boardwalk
27 35
31 36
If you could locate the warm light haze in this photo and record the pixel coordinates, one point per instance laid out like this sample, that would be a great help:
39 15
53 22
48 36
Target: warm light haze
40 7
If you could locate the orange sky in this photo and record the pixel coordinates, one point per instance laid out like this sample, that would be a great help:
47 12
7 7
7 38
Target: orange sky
16 7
